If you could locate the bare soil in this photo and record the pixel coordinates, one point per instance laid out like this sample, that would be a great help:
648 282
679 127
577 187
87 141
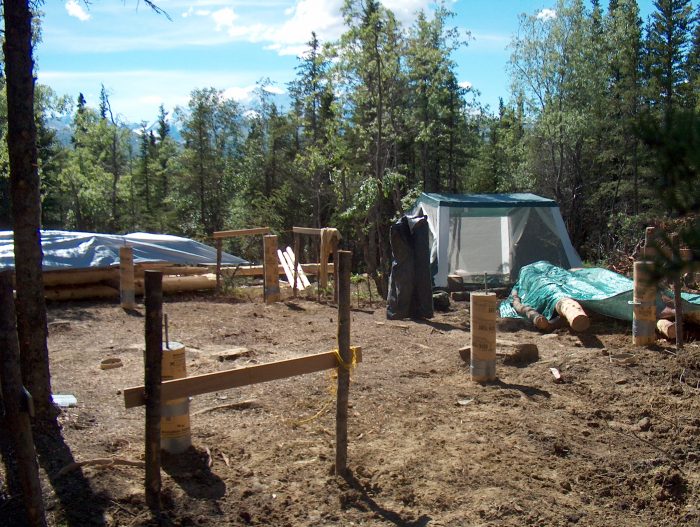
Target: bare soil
615 442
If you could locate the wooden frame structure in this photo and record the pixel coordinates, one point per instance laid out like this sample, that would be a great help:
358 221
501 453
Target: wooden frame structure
154 391
324 251
219 236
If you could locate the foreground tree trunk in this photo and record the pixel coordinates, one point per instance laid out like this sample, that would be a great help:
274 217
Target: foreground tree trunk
26 206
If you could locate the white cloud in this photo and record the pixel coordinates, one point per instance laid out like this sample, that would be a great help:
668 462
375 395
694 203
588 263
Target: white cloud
224 18
466 85
546 14
75 10
405 10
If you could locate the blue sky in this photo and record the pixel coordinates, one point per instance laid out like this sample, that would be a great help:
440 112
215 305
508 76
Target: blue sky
144 59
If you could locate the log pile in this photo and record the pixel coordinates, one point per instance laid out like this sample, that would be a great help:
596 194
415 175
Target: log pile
103 283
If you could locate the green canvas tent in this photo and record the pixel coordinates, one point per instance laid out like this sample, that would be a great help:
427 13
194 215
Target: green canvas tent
497 234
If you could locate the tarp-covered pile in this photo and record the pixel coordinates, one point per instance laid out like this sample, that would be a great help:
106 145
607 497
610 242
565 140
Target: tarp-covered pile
81 250
541 285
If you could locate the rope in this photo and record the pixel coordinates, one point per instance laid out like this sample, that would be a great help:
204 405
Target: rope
333 389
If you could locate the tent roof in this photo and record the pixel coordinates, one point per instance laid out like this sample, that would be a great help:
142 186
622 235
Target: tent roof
486 200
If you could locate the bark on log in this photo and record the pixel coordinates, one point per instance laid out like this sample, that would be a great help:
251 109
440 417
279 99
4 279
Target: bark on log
537 319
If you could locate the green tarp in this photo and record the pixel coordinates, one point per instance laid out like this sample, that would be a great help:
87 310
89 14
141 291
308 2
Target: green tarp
541 285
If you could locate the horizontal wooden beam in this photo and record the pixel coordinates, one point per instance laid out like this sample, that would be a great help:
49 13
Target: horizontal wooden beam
225 380
220 235
257 270
307 230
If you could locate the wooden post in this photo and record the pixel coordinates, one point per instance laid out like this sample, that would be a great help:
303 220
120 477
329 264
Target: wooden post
649 251
218 265
271 279
644 306
336 271
324 251
19 427
296 263
677 299
341 416
482 321
152 381
127 292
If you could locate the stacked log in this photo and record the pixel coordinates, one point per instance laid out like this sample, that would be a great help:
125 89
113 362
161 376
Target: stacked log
103 283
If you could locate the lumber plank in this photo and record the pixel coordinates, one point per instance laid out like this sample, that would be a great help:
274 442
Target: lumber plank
300 268
302 281
285 266
307 230
220 235
224 380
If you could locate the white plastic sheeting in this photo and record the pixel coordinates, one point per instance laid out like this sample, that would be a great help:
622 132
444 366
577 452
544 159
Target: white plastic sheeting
495 234
81 250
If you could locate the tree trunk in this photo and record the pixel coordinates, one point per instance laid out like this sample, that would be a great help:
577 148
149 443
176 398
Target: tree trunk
26 206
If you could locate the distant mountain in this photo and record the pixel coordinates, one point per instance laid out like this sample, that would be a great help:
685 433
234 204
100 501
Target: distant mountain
62 124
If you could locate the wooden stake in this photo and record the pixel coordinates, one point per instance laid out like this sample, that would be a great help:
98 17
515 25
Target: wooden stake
152 382
218 265
271 279
296 262
677 299
127 292
644 306
341 416
17 419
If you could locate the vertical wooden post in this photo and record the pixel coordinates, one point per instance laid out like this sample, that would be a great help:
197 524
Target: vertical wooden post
127 292
271 280
218 266
482 321
336 272
153 361
644 306
649 251
19 427
296 263
341 415
323 258
677 299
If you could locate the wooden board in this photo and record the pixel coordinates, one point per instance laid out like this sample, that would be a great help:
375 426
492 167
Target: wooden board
219 235
285 266
307 230
225 380
302 280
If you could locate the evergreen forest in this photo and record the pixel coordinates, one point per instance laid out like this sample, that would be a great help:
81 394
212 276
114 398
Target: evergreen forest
601 116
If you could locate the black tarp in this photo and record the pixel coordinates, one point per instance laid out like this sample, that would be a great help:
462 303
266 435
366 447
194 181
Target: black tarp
410 283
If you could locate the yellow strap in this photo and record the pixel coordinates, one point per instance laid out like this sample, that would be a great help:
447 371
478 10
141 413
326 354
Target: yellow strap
347 365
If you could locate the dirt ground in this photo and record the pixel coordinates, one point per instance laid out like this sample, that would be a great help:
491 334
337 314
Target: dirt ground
615 442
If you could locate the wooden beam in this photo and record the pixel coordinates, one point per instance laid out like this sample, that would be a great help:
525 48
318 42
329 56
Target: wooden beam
225 380
220 235
257 270
307 230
